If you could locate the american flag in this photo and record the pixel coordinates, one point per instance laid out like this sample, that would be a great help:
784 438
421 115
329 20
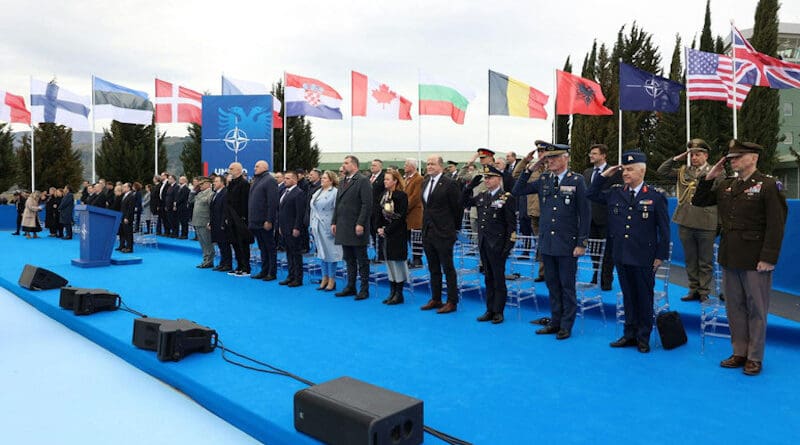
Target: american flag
755 68
710 77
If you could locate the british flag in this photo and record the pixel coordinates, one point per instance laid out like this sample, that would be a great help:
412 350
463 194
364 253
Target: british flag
755 68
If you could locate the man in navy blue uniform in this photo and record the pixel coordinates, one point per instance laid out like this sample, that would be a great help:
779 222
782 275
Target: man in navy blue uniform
497 223
638 224
564 231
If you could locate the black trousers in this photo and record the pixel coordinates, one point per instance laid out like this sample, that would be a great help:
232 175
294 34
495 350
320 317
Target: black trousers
269 250
637 295
126 235
225 254
241 248
494 265
293 257
357 265
439 252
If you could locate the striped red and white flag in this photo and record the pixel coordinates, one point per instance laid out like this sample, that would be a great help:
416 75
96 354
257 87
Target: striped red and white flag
12 109
175 103
709 76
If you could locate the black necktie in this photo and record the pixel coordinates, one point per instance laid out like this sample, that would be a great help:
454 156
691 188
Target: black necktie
596 172
555 183
633 195
430 189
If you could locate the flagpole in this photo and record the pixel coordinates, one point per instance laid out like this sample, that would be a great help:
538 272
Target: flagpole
619 110
488 115
155 138
352 118
419 121
555 106
94 172
285 122
33 164
733 81
688 108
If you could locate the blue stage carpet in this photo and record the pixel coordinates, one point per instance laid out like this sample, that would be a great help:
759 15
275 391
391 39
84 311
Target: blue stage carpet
483 383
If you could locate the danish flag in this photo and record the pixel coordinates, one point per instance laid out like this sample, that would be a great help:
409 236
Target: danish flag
177 104
755 68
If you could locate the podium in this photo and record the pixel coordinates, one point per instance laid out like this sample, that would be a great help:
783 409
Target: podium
98 233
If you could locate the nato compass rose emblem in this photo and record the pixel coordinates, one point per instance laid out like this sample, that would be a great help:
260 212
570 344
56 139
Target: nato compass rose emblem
234 120
84 230
236 140
654 88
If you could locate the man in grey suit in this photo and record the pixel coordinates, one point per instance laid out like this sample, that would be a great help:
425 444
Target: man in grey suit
201 221
350 226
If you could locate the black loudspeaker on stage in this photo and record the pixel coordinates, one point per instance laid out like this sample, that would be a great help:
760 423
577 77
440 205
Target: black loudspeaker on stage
346 411
84 301
37 278
173 339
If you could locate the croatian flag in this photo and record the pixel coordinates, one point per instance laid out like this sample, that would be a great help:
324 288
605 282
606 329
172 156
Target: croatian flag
12 109
238 87
175 103
53 104
310 97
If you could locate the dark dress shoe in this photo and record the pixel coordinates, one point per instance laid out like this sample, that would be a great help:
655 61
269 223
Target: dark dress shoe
497 319
734 361
447 308
544 321
432 304
126 250
285 282
563 334
623 342
224 269
294 284
346 292
258 276
15 233
752 367
269 278
643 347
605 287
487 316
538 279
67 237
548 330
397 299
691 297
363 295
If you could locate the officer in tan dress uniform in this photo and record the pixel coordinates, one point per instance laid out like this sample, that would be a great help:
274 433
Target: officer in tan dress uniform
697 226
752 209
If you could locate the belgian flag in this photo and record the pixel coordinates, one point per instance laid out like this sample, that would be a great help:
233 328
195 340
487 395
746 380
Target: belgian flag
511 97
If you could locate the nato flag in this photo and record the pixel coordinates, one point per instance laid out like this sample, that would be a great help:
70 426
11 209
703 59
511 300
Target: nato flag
643 91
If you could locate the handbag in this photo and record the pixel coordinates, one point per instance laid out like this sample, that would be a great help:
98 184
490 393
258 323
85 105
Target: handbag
670 329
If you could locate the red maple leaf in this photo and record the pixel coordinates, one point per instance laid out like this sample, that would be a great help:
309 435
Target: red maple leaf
383 95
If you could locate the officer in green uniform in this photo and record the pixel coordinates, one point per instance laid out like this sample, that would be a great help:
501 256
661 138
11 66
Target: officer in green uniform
752 210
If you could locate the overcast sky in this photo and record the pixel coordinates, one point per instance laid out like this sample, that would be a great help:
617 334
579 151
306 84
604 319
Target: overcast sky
193 43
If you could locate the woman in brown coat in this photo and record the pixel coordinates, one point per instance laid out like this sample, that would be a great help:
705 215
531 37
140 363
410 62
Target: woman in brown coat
30 217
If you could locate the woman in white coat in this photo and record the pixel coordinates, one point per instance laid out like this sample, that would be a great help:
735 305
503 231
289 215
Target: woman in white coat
322 204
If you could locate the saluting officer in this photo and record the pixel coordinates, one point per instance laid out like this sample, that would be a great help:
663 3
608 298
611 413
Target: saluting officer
752 210
564 231
496 236
638 225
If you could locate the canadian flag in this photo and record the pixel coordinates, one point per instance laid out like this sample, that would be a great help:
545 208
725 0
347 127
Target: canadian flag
375 99
177 104
12 109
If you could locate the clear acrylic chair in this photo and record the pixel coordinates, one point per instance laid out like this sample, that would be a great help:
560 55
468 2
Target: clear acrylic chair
418 277
522 267
146 239
466 258
589 294
713 315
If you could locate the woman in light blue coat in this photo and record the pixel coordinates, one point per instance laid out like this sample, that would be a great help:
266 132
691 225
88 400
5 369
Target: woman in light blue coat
322 204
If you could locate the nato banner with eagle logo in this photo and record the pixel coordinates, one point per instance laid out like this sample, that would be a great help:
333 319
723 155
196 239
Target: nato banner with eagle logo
236 129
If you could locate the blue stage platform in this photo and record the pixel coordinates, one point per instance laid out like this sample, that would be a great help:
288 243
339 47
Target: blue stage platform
483 383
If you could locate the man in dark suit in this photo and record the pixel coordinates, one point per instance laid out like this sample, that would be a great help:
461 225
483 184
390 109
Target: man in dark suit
182 211
598 229
65 209
218 230
376 181
638 223
511 164
170 207
291 215
441 219
236 200
350 226
262 216
128 209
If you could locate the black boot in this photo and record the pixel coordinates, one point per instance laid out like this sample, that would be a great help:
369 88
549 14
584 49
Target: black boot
398 295
393 291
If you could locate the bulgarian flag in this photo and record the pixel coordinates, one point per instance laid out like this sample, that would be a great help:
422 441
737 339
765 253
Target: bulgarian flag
375 99
443 98
12 109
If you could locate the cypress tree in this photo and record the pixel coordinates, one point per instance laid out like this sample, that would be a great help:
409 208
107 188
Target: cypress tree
670 135
126 153
56 163
192 151
562 121
8 162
